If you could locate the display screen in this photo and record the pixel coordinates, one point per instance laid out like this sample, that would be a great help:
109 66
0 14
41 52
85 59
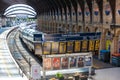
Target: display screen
56 62
91 45
77 46
47 63
97 44
38 49
55 46
70 46
46 48
84 45
80 61
72 61
64 62
62 47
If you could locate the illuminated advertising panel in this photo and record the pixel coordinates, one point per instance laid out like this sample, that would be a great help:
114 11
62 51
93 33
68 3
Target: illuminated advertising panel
56 62
46 48
47 63
91 45
64 62
84 45
55 46
88 61
70 46
73 61
80 61
38 49
62 47
77 46
97 44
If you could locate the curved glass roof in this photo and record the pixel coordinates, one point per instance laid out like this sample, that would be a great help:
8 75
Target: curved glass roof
20 9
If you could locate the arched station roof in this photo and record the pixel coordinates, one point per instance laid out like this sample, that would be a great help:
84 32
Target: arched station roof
42 6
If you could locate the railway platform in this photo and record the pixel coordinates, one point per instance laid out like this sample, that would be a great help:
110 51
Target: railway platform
9 70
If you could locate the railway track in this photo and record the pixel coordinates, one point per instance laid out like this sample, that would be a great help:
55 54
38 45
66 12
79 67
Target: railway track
21 54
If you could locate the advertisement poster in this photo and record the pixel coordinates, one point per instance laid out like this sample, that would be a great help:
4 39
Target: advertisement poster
80 61
91 45
38 49
73 62
88 61
70 46
84 45
47 63
46 48
97 44
55 46
64 62
62 47
56 62
77 46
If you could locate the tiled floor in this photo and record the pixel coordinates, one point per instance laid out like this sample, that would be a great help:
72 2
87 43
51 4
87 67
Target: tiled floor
107 74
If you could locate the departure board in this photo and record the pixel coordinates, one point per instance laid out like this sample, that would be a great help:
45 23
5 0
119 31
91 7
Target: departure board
97 44
77 46
70 45
55 46
84 45
46 48
47 63
91 45
62 47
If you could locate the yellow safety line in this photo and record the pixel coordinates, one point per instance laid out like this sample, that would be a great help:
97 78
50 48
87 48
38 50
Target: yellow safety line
4 62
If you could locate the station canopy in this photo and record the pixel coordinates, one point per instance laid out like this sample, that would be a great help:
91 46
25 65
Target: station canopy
20 10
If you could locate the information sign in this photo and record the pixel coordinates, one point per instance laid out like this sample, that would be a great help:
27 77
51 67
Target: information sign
35 72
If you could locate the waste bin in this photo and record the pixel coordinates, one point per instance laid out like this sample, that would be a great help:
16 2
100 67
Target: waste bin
115 60
105 55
